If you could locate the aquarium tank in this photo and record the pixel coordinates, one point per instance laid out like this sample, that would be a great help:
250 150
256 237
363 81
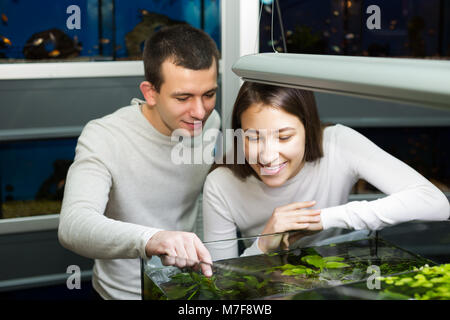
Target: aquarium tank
281 274
94 30
377 28
32 176
38 135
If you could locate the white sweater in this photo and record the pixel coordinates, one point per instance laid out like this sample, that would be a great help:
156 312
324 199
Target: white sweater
230 203
122 188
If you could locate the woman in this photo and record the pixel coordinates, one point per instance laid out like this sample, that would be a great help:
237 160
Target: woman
298 174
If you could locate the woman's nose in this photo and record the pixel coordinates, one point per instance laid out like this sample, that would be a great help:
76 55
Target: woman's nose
268 151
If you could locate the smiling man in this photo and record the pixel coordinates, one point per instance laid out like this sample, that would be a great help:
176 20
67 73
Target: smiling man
184 101
124 197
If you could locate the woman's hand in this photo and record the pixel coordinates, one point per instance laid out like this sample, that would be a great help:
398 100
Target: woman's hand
294 216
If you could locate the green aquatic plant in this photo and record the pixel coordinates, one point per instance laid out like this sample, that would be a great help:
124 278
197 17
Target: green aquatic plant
292 270
252 281
325 263
193 285
320 264
424 283
190 284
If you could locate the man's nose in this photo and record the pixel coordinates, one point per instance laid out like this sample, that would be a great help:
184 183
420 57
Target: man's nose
198 109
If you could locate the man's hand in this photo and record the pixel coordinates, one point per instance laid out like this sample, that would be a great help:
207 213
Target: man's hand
294 216
181 248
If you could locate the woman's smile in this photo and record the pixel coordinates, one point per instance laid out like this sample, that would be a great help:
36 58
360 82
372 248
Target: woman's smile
272 169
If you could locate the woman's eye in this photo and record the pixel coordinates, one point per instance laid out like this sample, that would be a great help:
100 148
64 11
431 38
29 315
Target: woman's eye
285 138
252 138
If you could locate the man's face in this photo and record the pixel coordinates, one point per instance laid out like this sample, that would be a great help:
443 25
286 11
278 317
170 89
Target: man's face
185 100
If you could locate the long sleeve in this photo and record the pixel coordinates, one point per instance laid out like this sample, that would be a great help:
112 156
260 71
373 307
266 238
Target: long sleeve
409 195
218 224
83 227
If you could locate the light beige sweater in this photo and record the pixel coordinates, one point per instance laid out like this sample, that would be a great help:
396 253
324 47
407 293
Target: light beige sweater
121 189
230 203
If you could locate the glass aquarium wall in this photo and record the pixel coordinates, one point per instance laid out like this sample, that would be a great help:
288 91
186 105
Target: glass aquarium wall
274 275
32 176
379 28
423 148
94 30
38 133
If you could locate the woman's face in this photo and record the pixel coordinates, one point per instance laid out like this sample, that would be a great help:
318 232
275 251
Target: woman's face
274 143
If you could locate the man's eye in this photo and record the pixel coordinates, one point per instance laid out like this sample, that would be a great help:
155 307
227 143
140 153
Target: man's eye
181 99
210 95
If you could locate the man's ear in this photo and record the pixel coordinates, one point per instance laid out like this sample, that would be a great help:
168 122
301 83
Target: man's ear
149 92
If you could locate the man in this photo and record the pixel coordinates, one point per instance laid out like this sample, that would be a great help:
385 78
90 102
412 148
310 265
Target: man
124 197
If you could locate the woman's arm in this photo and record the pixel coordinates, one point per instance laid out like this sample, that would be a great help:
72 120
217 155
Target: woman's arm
410 195
218 223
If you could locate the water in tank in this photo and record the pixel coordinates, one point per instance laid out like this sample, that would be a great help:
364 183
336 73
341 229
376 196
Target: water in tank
94 29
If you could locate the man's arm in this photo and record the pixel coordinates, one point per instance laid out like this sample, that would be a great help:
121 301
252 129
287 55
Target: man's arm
83 227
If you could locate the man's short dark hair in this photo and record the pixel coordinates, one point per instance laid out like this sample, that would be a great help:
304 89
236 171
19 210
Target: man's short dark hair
184 45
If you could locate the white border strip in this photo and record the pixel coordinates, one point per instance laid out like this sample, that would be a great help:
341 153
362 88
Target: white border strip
40 133
57 70
29 224
40 281
60 70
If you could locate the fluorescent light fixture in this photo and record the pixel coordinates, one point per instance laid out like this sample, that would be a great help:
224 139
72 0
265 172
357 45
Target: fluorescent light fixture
414 81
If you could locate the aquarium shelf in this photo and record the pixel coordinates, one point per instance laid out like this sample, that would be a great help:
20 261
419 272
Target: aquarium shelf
387 121
39 281
40 133
29 224
60 70
375 196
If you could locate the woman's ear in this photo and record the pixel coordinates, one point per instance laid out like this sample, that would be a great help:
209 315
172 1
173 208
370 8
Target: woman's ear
149 92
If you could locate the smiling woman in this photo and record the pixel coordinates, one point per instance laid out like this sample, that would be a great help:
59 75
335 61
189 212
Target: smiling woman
279 150
277 117
298 174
